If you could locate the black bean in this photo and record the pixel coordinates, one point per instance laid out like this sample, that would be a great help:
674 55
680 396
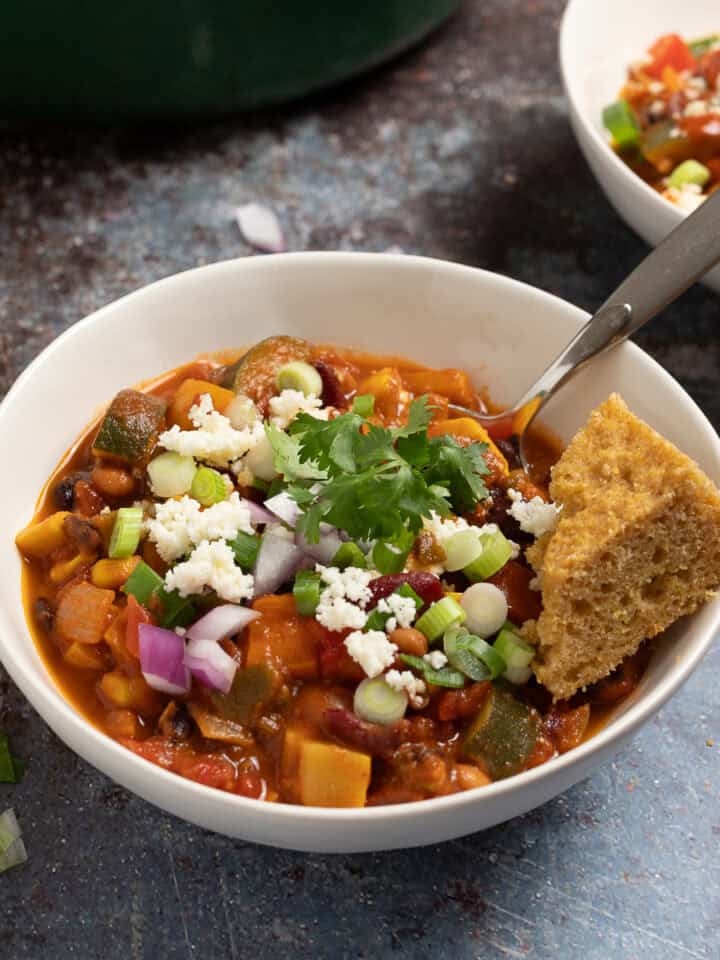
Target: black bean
64 490
44 613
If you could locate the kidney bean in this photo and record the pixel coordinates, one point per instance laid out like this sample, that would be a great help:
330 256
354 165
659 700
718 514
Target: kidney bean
426 585
332 393
372 738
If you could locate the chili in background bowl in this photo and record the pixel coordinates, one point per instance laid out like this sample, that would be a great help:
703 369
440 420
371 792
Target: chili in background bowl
596 48
502 332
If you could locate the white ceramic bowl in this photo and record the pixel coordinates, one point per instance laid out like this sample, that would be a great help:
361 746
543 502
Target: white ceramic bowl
597 42
501 331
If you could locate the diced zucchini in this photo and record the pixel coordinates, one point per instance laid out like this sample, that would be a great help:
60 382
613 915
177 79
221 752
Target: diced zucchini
257 369
333 776
502 735
130 426
252 688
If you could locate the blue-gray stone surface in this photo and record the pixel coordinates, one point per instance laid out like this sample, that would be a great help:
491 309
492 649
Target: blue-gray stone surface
460 150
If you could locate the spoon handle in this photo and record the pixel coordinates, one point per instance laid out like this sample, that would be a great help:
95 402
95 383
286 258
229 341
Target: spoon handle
683 257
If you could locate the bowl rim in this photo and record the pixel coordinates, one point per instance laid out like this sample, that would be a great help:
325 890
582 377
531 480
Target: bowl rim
56 711
570 80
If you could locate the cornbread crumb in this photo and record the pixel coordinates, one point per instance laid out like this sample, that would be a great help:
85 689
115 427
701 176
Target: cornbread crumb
637 545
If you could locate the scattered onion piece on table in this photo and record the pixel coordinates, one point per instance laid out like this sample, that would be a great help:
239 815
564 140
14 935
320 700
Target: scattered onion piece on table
260 227
12 848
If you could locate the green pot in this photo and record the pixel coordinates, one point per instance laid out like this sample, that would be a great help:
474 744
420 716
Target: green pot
138 59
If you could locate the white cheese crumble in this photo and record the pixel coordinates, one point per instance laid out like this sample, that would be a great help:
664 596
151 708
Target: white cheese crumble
407 681
214 439
444 527
402 611
696 108
372 650
534 516
343 598
211 565
336 613
178 525
436 659
285 407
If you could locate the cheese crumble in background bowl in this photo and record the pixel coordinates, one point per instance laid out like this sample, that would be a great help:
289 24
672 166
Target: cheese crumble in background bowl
598 41
502 332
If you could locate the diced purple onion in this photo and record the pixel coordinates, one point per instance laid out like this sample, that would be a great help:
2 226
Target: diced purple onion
327 546
258 513
210 665
162 655
221 622
284 507
260 227
278 560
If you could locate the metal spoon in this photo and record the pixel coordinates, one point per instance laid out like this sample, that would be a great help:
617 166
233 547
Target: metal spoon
683 257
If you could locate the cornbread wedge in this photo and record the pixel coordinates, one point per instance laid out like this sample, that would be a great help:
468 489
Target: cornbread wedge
637 545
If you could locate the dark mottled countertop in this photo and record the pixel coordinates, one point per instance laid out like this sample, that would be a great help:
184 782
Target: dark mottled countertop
460 150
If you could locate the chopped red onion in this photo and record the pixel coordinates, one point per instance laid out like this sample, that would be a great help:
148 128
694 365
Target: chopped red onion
221 622
284 507
210 665
278 560
325 549
161 660
258 513
260 227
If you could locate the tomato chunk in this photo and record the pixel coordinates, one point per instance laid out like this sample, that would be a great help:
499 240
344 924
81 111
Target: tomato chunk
670 51
514 581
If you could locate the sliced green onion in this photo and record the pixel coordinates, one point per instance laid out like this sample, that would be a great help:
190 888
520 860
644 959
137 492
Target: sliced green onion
126 532
486 608
389 557
439 617
689 172
377 702
703 44
349 555
306 591
405 590
455 645
299 375
208 487
12 848
245 546
376 620
177 611
171 474
490 657
11 769
142 583
516 653
445 677
462 549
496 551
364 405
622 124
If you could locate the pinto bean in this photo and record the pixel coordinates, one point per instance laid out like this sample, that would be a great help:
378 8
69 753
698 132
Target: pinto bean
82 534
409 640
112 481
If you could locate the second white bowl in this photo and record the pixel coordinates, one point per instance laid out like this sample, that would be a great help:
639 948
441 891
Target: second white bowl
597 43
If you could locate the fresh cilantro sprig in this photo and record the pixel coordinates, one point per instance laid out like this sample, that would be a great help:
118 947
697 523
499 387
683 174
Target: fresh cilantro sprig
372 482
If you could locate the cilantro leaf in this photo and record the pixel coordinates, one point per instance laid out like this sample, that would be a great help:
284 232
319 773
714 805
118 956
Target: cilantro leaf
376 483
289 459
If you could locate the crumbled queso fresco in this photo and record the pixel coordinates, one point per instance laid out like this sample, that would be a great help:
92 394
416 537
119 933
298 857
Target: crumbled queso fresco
215 440
436 659
285 407
402 611
179 525
211 565
534 516
407 681
372 650
343 598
